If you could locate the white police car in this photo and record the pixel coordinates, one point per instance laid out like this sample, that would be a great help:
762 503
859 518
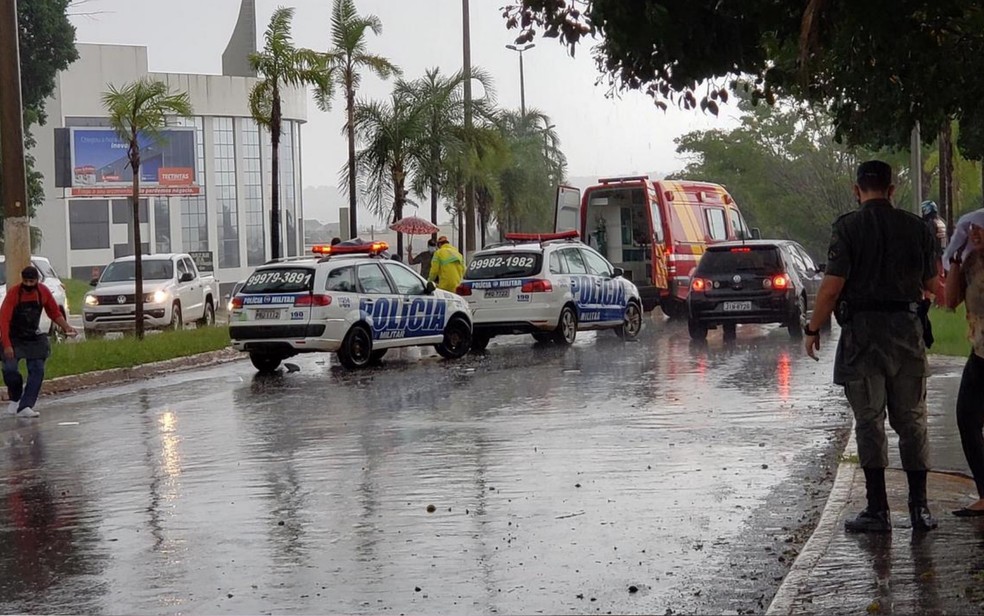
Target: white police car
548 285
348 300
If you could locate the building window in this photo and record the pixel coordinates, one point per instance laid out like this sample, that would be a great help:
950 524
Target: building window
194 210
126 250
162 224
288 190
88 223
224 138
123 211
253 197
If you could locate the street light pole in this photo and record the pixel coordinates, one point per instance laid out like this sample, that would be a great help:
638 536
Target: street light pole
522 77
16 224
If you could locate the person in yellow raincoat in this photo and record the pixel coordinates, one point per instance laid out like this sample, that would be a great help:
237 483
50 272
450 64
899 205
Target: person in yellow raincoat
447 266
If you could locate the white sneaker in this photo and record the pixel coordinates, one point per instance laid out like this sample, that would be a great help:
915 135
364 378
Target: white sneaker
28 412
12 408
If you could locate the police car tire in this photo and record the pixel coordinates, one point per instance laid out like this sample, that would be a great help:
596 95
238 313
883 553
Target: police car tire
621 330
567 320
480 342
346 355
265 363
462 349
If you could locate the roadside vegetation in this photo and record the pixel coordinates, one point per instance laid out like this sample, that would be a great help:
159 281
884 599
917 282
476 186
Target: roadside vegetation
93 355
950 331
75 290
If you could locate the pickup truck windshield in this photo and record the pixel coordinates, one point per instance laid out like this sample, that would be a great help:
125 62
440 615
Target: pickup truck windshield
280 280
153 269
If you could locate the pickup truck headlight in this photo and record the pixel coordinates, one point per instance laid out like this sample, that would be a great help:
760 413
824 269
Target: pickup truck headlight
157 297
90 300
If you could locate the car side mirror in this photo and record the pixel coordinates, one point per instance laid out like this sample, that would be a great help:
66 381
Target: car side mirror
93 282
186 277
756 233
430 287
618 272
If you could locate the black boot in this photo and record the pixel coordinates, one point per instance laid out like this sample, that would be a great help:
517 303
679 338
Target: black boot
922 519
875 518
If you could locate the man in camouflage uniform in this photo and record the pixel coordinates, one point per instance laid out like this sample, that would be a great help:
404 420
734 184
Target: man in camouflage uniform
881 259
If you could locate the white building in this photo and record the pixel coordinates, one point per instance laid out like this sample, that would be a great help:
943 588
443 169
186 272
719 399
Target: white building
229 218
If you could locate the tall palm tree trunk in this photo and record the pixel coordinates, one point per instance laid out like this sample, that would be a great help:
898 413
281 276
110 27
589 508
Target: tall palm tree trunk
353 201
275 119
138 295
434 189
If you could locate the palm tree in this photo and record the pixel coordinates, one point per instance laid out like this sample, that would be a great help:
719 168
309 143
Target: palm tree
348 56
139 110
442 101
390 134
282 66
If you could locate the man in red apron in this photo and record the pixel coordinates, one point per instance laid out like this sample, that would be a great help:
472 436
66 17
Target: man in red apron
20 317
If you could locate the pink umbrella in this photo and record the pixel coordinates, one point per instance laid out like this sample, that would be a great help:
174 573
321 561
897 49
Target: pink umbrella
414 225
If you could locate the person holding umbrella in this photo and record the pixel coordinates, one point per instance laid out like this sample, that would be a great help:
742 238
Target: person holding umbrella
424 258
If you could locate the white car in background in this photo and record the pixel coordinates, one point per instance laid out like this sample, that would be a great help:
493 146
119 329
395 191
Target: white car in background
50 279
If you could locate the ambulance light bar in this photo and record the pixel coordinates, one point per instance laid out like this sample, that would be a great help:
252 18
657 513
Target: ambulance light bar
366 249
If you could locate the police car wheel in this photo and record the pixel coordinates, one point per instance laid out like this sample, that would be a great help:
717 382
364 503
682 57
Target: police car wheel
630 329
480 342
377 356
457 339
698 331
566 331
356 349
265 363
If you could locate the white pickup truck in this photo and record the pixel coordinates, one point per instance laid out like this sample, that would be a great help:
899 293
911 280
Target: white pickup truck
175 294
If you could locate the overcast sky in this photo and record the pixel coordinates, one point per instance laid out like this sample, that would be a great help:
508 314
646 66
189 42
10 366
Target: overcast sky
600 135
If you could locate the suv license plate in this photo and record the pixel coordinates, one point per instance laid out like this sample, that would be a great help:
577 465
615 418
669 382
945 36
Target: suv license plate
737 306
492 293
267 315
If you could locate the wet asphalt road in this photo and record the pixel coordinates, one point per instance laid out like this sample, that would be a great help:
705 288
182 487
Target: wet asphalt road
560 480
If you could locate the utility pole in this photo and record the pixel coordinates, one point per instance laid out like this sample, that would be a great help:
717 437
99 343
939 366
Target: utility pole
522 77
469 188
915 169
16 224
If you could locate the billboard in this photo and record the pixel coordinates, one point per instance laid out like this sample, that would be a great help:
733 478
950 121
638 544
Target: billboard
100 166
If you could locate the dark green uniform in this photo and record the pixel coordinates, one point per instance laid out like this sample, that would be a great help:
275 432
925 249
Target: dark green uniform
885 254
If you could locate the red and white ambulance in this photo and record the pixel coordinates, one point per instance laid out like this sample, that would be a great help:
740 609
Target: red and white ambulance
655 231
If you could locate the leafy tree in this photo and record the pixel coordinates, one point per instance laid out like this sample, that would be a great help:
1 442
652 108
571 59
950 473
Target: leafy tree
441 99
140 109
877 67
347 58
47 46
390 133
282 65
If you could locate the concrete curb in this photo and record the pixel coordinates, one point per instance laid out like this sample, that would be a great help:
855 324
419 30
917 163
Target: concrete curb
116 376
819 542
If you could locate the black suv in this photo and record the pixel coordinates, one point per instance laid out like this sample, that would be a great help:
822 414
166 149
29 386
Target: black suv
759 281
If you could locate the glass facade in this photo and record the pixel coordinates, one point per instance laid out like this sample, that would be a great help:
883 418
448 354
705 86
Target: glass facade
253 193
88 224
194 210
289 184
227 206
162 225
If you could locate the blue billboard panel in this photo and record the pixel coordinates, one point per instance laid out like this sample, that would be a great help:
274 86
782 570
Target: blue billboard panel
101 165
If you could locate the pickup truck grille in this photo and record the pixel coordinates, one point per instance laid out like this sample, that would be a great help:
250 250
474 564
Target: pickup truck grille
114 300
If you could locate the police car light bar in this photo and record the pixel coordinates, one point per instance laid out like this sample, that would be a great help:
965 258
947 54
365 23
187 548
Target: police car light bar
366 249
542 237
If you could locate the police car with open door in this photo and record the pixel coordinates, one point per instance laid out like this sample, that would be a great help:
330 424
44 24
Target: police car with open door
550 286
349 300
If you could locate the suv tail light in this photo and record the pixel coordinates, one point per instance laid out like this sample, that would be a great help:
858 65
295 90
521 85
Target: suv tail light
463 290
313 300
700 285
537 286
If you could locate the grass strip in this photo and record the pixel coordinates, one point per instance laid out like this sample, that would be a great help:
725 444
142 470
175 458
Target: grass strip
950 331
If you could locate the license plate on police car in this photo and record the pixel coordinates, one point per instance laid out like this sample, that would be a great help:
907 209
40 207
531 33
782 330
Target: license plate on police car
494 293
267 315
737 306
